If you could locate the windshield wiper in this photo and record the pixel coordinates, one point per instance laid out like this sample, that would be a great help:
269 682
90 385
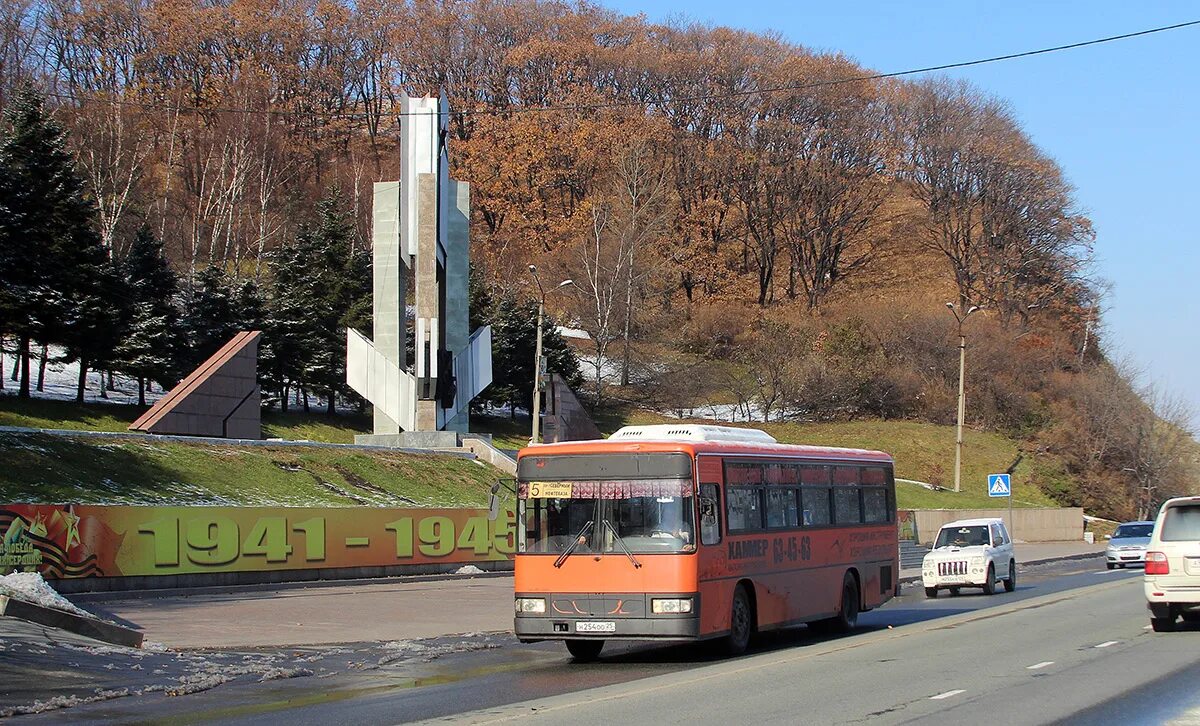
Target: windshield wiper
621 542
578 539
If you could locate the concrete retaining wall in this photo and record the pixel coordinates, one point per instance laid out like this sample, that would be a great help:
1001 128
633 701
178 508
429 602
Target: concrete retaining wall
1063 524
482 448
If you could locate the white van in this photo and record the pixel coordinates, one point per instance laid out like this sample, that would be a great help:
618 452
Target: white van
1172 579
970 553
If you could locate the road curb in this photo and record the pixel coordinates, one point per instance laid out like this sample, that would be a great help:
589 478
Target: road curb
148 594
906 579
72 623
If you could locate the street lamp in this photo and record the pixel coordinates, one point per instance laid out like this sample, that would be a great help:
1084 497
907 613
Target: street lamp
536 413
962 361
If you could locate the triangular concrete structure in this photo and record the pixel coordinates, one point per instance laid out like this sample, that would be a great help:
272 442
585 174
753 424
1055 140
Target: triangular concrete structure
221 398
566 419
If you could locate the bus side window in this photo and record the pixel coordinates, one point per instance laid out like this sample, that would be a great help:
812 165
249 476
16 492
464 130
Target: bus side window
710 514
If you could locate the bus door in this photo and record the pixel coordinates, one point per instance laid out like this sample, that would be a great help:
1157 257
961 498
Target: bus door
716 592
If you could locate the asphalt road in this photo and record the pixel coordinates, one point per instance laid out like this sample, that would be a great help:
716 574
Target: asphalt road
1041 660
975 648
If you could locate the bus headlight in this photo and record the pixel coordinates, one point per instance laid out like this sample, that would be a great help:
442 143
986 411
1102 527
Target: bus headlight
534 605
663 606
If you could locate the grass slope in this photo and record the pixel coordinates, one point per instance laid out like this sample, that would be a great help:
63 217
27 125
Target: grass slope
43 413
56 469
50 468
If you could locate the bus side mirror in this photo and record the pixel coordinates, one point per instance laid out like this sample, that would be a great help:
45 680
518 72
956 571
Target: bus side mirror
494 503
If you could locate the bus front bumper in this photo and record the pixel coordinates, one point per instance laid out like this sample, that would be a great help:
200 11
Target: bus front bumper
530 628
627 616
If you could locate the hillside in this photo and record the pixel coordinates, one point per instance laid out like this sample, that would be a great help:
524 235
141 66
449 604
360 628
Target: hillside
42 467
925 453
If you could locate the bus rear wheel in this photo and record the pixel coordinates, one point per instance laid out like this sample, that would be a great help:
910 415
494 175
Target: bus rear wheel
847 617
585 651
741 623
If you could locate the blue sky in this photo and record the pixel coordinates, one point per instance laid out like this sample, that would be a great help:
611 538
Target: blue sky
1122 119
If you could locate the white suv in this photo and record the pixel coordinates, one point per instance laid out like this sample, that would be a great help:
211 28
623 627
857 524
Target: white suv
1172 580
970 553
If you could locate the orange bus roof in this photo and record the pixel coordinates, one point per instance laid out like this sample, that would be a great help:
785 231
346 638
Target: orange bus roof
601 446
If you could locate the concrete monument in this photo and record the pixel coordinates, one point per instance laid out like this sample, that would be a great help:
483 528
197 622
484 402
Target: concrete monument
420 228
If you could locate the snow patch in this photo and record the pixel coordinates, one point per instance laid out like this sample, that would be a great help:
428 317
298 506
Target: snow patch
58 702
62 381
274 674
196 682
468 570
574 333
31 588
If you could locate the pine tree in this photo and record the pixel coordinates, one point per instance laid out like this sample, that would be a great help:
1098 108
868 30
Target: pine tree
344 291
289 336
92 321
54 272
321 286
514 343
210 317
152 337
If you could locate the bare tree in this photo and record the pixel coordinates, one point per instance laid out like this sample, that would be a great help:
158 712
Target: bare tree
839 184
1162 440
952 135
19 29
643 211
602 258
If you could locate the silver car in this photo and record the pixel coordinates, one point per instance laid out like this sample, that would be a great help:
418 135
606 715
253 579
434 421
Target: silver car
1127 546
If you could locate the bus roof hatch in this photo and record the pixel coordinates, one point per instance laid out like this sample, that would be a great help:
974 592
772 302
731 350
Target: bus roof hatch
691 432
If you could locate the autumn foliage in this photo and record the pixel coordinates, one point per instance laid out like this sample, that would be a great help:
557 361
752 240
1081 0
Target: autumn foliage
744 218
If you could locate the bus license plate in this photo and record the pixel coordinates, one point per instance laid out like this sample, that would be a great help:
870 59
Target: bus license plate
596 627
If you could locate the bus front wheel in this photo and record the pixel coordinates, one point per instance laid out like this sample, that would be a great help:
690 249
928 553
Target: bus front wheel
741 623
585 650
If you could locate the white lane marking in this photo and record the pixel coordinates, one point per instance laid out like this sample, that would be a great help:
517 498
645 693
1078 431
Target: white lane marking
1107 572
1107 643
947 694
1036 666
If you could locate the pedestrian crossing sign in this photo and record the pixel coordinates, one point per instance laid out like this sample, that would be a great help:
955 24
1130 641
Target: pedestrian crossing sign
999 485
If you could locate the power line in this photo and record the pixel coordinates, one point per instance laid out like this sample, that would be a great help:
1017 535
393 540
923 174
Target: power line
654 102
851 79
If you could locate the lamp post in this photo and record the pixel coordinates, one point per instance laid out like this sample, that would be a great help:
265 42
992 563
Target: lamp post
536 413
962 363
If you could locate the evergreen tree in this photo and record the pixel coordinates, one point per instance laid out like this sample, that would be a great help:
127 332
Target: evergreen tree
152 338
321 286
514 343
93 321
288 326
210 317
54 271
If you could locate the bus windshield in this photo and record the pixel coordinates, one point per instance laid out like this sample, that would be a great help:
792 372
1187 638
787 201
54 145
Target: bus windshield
646 516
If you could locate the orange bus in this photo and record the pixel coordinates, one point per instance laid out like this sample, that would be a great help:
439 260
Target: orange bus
688 532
